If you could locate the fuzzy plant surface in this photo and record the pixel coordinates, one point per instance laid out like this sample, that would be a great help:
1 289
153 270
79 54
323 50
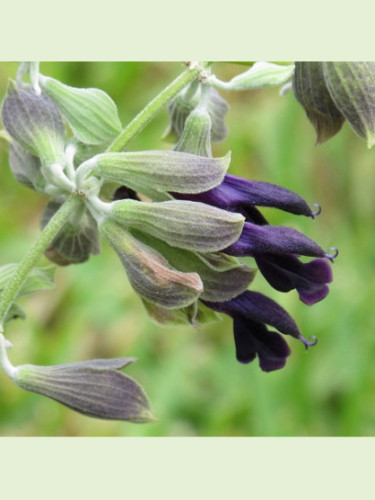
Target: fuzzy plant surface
194 239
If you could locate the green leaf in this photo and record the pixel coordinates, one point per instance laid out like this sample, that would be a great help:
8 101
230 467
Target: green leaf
149 273
39 278
184 224
15 312
162 171
91 113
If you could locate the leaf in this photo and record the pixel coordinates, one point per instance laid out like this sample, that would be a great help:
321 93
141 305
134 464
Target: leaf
91 113
39 278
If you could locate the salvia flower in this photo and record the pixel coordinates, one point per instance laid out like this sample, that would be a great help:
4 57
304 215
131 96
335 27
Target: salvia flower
251 312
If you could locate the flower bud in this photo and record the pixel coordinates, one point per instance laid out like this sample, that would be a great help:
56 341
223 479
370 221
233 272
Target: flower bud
196 136
77 240
352 87
183 224
182 105
94 388
155 173
35 123
311 92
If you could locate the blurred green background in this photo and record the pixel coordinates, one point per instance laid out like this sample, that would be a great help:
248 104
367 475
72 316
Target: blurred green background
196 386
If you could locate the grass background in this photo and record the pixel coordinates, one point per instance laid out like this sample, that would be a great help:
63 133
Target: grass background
192 378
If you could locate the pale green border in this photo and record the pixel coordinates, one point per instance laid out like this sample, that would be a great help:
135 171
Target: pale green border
181 468
198 468
169 30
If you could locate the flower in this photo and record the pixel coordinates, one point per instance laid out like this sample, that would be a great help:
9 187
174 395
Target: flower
251 312
274 248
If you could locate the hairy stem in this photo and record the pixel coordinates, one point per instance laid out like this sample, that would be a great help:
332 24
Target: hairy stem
154 106
30 260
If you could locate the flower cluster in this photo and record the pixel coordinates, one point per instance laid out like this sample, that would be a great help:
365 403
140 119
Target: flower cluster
177 220
275 249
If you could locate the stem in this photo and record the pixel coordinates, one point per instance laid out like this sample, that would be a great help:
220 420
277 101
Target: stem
152 109
35 253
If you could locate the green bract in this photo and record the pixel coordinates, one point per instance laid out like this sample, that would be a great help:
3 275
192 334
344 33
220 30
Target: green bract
196 314
35 123
151 172
91 113
220 282
260 76
196 135
183 224
149 272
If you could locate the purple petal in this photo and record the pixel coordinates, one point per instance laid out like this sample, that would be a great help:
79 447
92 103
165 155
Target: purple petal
273 239
260 309
251 337
287 272
238 194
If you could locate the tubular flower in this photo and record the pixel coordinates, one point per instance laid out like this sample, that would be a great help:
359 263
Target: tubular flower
251 312
274 248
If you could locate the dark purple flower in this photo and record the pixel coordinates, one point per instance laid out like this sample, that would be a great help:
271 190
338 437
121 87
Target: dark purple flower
287 272
275 249
279 240
239 195
251 312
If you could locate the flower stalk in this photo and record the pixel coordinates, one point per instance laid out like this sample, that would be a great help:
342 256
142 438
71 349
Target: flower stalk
35 253
152 109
